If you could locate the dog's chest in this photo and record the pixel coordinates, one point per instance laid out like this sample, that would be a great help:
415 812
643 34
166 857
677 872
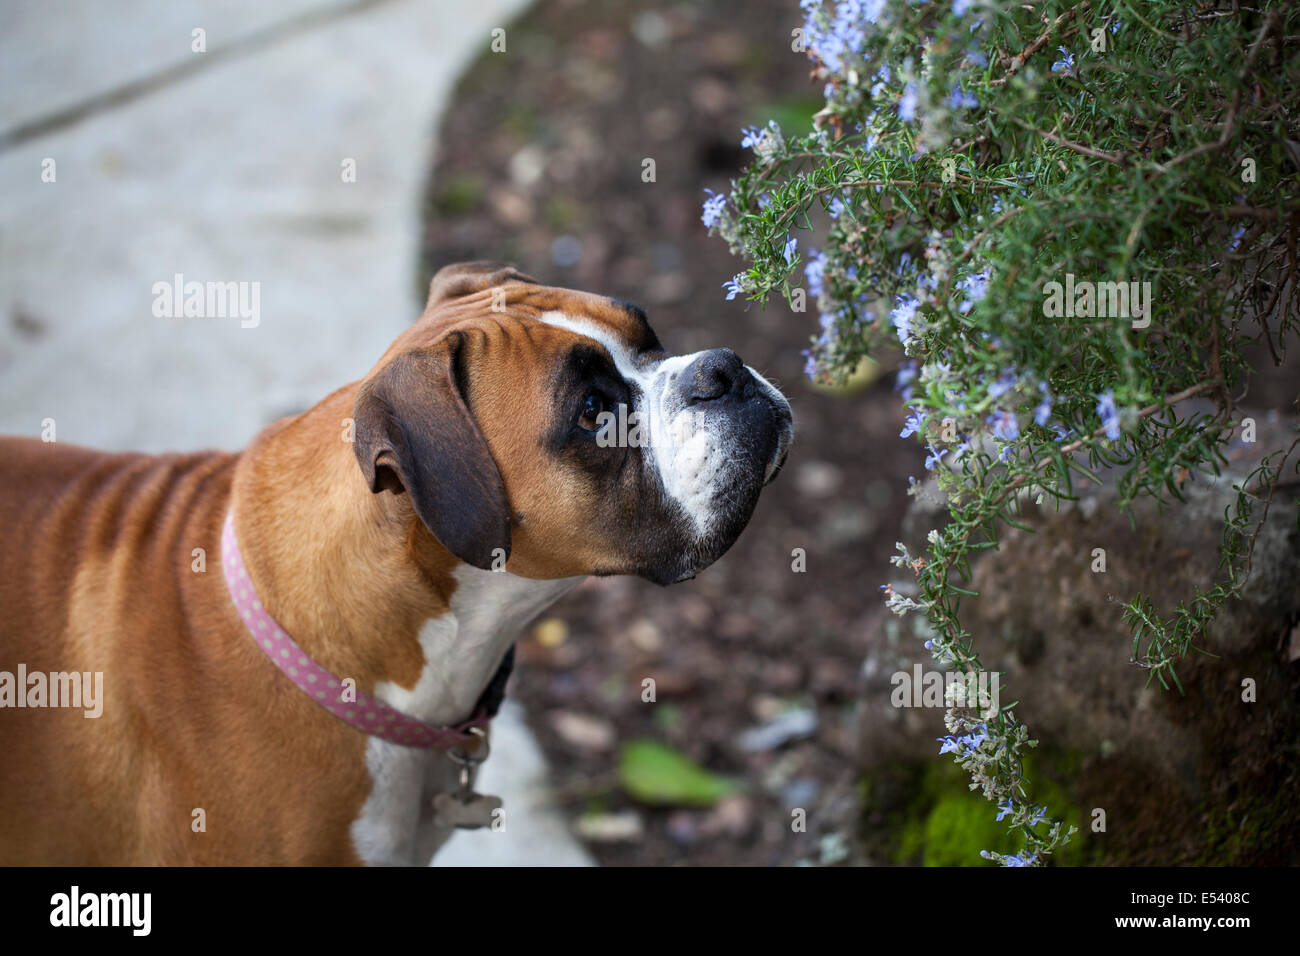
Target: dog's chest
462 650
396 826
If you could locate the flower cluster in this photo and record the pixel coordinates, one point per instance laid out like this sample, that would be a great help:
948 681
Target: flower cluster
966 743
955 171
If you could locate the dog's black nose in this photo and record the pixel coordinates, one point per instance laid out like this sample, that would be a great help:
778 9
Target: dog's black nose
716 374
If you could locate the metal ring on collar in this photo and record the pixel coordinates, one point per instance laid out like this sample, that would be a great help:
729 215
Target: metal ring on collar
480 752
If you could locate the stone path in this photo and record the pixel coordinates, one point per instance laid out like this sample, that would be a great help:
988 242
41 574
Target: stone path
227 166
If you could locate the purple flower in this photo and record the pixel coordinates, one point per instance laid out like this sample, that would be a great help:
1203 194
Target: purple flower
814 271
713 207
1005 808
1040 814
976 287
1005 425
809 365
833 38
933 458
733 287
1005 383
907 104
788 252
1019 860
903 315
1043 411
751 137
1109 414
949 745
836 207
1066 64
1236 238
882 79
959 100
960 7
903 383
913 425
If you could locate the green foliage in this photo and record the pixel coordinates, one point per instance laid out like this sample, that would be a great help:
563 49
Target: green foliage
944 827
957 829
977 166
654 773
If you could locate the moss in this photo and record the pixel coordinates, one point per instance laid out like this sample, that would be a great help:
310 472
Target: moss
1260 832
911 842
958 828
942 822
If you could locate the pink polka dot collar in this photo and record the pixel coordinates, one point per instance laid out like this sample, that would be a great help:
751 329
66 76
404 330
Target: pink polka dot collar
365 712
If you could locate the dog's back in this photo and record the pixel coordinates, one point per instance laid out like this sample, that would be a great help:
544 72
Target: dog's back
79 531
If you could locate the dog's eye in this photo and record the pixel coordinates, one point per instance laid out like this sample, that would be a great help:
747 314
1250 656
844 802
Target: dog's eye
589 414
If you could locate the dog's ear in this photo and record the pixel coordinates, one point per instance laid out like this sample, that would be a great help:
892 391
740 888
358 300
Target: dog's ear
414 433
466 278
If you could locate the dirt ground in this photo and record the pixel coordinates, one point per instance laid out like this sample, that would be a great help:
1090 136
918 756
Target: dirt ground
542 159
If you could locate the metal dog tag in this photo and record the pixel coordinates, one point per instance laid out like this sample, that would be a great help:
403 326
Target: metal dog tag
473 812
466 810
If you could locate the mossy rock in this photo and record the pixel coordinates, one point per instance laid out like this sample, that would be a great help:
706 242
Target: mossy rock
957 829
948 824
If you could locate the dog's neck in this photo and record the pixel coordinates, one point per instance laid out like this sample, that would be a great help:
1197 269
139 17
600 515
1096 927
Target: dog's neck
418 629
464 647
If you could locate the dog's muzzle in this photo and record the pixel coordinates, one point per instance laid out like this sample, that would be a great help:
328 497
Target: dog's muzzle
718 377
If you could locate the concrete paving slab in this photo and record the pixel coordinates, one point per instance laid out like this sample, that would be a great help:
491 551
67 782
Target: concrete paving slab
232 172
69 52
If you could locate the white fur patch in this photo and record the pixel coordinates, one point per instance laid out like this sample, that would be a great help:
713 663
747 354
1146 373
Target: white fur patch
462 650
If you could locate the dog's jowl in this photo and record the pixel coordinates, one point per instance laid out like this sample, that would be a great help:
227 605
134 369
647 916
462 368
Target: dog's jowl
310 692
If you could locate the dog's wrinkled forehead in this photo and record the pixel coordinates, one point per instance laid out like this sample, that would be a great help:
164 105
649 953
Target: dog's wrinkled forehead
487 294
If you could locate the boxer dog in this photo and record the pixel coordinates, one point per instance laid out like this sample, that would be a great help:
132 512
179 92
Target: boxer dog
382 550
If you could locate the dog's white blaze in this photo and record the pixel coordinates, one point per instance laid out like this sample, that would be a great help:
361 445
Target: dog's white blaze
462 650
685 453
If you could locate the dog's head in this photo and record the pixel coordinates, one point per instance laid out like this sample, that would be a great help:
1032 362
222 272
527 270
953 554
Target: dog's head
551 427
